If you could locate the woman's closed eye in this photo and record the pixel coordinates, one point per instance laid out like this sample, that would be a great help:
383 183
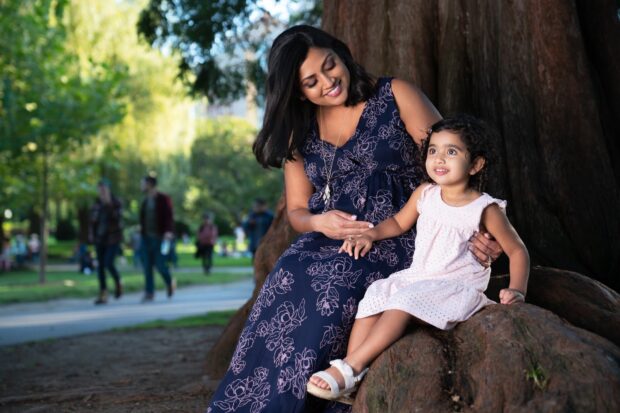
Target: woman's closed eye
309 84
330 63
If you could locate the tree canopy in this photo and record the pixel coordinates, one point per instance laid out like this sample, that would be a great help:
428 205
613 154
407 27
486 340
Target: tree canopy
222 45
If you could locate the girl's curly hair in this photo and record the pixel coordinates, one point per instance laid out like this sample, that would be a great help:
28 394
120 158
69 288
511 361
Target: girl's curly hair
478 137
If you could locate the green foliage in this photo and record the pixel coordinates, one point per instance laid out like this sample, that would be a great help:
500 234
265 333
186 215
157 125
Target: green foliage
225 170
222 44
51 104
65 230
537 374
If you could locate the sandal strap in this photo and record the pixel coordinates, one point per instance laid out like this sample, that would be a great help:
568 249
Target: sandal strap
346 371
360 376
329 379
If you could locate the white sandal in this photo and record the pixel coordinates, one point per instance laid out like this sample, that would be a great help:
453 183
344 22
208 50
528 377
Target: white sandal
351 381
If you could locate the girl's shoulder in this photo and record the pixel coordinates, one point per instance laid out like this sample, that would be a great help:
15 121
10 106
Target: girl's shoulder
422 194
487 200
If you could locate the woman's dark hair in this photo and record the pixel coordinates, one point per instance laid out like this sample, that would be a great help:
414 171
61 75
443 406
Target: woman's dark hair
479 139
288 117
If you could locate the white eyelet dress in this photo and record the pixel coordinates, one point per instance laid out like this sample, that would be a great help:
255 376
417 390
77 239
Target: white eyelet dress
445 284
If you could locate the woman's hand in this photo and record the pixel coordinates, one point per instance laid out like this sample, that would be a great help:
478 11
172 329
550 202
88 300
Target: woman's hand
485 248
336 224
356 246
511 296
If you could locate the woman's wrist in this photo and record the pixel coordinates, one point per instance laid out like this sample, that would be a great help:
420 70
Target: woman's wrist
314 221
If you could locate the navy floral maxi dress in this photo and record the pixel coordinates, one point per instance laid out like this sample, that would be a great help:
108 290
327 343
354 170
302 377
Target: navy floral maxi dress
304 313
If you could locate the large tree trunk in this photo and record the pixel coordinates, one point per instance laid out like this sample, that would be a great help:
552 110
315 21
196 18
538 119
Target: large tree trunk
546 73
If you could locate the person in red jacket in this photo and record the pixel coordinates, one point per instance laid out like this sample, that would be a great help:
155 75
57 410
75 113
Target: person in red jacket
205 241
157 223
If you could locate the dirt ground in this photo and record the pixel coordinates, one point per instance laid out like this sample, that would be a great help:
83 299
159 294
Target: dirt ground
159 370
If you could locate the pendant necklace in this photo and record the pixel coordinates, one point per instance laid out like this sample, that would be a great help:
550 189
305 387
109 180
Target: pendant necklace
327 191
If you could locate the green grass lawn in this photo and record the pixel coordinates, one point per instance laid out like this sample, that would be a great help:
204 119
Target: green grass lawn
219 318
23 286
61 252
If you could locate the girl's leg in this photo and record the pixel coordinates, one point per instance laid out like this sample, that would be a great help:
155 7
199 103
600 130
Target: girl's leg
381 331
389 328
360 330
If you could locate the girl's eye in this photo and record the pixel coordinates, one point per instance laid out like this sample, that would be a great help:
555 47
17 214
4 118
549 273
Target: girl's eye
452 152
431 151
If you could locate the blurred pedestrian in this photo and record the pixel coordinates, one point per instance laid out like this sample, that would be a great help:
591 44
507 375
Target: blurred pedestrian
257 224
106 234
19 249
156 223
136 247
6 255
172 256
34 247
205 241
239 239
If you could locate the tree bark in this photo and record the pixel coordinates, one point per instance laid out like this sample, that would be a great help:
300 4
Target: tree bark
518 358
546 74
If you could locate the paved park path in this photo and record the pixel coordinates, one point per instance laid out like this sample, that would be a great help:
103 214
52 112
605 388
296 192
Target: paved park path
20 323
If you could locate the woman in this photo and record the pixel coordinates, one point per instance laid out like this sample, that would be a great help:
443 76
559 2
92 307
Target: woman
348 144
106 233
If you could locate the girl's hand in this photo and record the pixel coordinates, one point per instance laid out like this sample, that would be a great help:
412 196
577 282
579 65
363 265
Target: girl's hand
511 296
485 248
356 246
336 224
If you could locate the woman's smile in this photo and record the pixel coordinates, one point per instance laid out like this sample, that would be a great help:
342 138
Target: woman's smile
335 90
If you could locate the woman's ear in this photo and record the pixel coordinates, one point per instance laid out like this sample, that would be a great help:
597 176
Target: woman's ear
477 165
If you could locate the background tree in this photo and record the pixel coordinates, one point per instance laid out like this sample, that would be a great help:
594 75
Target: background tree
226 172
222 45
51 104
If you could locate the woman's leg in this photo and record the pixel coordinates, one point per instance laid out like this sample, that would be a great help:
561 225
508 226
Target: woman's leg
373 336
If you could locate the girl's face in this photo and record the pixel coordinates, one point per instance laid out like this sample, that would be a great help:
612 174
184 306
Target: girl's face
324 78
448 162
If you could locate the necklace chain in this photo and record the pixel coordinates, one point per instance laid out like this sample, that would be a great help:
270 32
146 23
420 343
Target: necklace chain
327 191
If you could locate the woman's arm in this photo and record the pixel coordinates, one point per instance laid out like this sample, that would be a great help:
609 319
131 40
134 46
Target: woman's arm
333 224
416 110
496 222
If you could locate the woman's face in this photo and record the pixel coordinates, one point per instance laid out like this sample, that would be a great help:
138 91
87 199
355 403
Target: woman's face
323 78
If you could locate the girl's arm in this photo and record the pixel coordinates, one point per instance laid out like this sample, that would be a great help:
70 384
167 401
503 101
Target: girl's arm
496 222
298 188
391 227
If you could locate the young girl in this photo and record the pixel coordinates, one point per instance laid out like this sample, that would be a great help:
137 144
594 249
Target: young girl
445 285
